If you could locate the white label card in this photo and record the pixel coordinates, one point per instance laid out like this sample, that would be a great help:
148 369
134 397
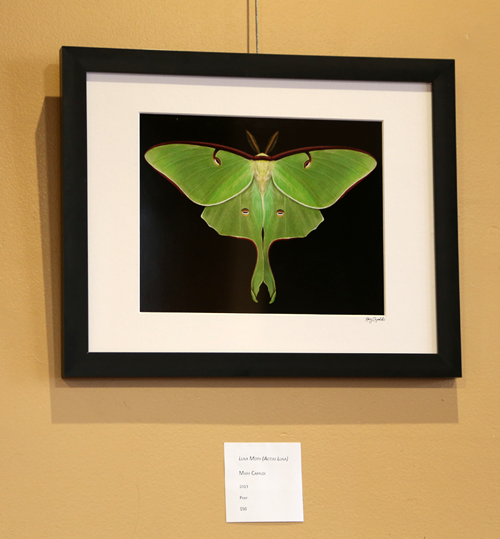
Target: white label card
263 482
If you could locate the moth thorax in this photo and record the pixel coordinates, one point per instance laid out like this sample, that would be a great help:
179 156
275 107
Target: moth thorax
262 173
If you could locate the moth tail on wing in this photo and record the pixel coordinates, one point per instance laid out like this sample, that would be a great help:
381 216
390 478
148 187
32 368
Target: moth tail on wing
263 274
269 277
258 275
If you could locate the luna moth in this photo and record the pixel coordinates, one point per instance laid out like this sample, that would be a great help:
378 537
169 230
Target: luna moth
259 197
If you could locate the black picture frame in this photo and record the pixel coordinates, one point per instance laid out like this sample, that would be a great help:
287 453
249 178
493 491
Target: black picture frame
78 361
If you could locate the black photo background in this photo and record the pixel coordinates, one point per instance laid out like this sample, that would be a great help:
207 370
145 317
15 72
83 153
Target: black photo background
186 266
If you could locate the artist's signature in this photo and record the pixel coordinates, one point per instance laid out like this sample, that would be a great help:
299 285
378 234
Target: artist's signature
374 319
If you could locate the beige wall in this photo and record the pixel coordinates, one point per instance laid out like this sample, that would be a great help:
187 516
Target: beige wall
143 459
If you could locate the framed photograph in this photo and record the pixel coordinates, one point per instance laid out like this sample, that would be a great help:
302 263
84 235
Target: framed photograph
183 175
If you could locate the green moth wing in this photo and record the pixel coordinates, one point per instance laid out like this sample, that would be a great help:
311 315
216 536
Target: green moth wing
263 221
284 219
198 172
318 178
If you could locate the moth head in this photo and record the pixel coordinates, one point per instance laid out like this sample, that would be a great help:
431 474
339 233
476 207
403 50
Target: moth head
255 147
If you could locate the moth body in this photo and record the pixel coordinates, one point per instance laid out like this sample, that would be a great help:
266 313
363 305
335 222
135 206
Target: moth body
262 170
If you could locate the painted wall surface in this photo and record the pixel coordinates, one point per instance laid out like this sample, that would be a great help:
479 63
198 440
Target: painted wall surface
144 459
